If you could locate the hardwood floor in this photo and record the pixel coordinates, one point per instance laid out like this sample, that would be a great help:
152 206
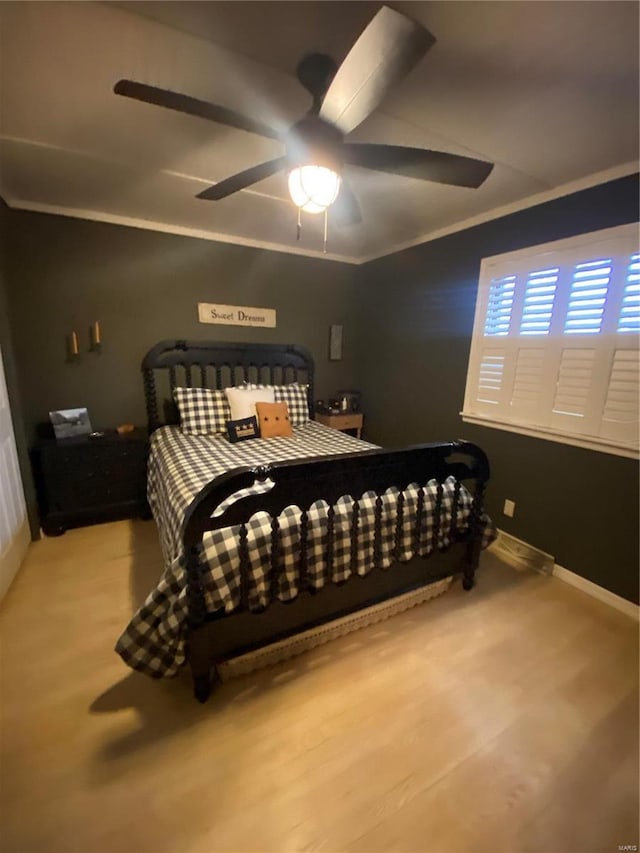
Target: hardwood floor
505 719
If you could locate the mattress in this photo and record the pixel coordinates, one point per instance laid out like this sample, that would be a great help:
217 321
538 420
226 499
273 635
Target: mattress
181 465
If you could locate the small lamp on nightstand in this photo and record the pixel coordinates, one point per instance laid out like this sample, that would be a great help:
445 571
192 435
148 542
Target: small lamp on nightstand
350 401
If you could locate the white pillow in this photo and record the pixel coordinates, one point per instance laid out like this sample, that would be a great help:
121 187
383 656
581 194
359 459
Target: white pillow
243 403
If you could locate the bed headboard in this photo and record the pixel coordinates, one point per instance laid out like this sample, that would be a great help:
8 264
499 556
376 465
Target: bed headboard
207 364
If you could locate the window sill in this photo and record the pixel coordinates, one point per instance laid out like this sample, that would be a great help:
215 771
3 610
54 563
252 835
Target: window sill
590 443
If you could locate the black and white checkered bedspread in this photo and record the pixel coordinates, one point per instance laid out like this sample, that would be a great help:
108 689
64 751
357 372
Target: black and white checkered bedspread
180 466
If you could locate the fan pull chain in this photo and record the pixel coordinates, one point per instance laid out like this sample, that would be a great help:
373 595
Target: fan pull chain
326 218
299 227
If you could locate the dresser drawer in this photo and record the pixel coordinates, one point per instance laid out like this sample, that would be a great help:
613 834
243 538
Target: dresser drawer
351 420
346 421
83 481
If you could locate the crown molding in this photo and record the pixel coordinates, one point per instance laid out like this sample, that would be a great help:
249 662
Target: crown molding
168 228
583 183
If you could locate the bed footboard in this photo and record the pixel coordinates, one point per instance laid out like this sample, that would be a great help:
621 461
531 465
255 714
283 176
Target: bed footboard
303 483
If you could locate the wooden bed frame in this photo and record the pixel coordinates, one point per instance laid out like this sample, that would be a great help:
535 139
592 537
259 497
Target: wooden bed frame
214 638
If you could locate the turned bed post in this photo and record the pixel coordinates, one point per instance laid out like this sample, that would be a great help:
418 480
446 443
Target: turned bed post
474 546
199 658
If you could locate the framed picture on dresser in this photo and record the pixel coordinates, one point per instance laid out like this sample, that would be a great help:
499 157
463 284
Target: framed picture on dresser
70 423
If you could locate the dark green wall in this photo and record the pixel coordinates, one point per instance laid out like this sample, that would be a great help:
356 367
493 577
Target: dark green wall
408 320
144 286
579 505
11 375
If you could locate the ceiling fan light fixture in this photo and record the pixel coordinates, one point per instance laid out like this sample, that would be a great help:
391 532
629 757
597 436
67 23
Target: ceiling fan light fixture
313 188
343 97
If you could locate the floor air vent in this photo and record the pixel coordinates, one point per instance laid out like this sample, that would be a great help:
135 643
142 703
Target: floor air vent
521 555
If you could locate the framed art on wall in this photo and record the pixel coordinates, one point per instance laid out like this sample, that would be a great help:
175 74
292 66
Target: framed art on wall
335 343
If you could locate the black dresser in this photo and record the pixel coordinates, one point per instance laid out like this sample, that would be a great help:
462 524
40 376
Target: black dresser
84 481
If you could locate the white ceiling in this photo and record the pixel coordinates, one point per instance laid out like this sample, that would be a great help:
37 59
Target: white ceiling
546 90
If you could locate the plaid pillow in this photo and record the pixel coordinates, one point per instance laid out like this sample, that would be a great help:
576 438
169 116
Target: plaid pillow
202 411
295 395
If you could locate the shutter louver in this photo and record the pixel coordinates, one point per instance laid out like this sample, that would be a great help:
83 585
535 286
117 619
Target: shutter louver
574 381
620 416
539 295
629 320
491 376
500 306
528 377
622 397
588 297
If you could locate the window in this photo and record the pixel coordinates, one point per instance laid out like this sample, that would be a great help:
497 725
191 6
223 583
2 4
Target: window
555 342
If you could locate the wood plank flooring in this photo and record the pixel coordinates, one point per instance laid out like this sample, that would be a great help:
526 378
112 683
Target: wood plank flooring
505 719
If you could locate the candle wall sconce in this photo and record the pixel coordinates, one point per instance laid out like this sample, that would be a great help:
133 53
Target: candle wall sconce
73 347
95 338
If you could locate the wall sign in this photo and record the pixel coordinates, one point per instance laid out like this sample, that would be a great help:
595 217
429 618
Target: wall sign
236 315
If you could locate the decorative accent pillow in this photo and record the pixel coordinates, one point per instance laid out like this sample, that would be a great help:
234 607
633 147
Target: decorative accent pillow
295 395
202 411
243 429
243 402
274 419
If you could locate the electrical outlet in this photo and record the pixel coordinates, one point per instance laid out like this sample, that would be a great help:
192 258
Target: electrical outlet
509 508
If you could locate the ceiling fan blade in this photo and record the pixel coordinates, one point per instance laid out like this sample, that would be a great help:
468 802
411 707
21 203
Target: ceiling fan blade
243 179
419 163
346 210
385 52
192 106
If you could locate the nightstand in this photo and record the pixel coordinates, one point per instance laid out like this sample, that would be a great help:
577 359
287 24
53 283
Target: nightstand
85 481
351 420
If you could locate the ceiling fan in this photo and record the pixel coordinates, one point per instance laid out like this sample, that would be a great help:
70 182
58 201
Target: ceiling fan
316 151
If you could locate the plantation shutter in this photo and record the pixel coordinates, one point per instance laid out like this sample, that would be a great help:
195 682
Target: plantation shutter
555 344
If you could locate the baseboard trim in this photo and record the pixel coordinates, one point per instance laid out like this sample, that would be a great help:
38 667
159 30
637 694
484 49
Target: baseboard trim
595 591
522 555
